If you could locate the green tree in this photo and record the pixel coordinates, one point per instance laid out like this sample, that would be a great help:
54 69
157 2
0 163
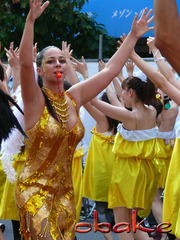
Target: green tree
62 20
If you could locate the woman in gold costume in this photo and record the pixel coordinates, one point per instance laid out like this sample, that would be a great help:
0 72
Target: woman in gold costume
44 192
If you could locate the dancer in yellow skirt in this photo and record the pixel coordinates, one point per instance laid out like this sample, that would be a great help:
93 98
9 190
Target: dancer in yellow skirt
8 208
171 210
166 120
166 134
166 22
98 168
166 142
99 164
133 183
100 159
167 30
77 179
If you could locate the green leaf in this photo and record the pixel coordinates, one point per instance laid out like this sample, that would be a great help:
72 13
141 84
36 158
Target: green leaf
62 20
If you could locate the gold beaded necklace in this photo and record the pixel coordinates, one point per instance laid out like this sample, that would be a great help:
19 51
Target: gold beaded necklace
61 107
60 104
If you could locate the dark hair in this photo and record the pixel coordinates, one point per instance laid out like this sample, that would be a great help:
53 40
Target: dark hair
67 85
40 55
8 120
112 122
166 99
144 91
1 73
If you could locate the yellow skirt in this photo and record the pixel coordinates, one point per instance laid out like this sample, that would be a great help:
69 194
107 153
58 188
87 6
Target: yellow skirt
171 204
77 180
98 168
163 159
135 174
2 180
8 208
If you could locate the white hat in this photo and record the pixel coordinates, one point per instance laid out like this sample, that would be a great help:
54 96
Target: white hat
140 75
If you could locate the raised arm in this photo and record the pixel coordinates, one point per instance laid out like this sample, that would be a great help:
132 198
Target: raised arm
9 69
129 67
13 61
71 75
30 89
156 77
163 66
81 67
119 113
111 93
120 76
102 124
167 31
117 87
113 99
89 89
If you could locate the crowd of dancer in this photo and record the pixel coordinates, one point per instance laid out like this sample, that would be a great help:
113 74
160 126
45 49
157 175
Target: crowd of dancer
133 153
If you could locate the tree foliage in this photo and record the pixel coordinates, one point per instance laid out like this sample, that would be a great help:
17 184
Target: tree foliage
62 20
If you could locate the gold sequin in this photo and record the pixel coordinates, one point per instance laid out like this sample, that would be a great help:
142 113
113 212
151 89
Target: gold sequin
44 187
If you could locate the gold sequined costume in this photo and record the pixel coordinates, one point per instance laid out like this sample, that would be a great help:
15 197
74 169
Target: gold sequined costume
44 192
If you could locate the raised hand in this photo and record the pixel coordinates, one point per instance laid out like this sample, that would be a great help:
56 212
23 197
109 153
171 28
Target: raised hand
141 26
13 61
66 50
36 9
12 55
101 65
129 67
122 38
80 67
35 52
151 43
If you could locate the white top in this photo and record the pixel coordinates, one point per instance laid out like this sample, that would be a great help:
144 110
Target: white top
166 135
106 134
137 135
178 132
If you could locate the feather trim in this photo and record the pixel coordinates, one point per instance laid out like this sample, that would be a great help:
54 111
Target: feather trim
12 145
